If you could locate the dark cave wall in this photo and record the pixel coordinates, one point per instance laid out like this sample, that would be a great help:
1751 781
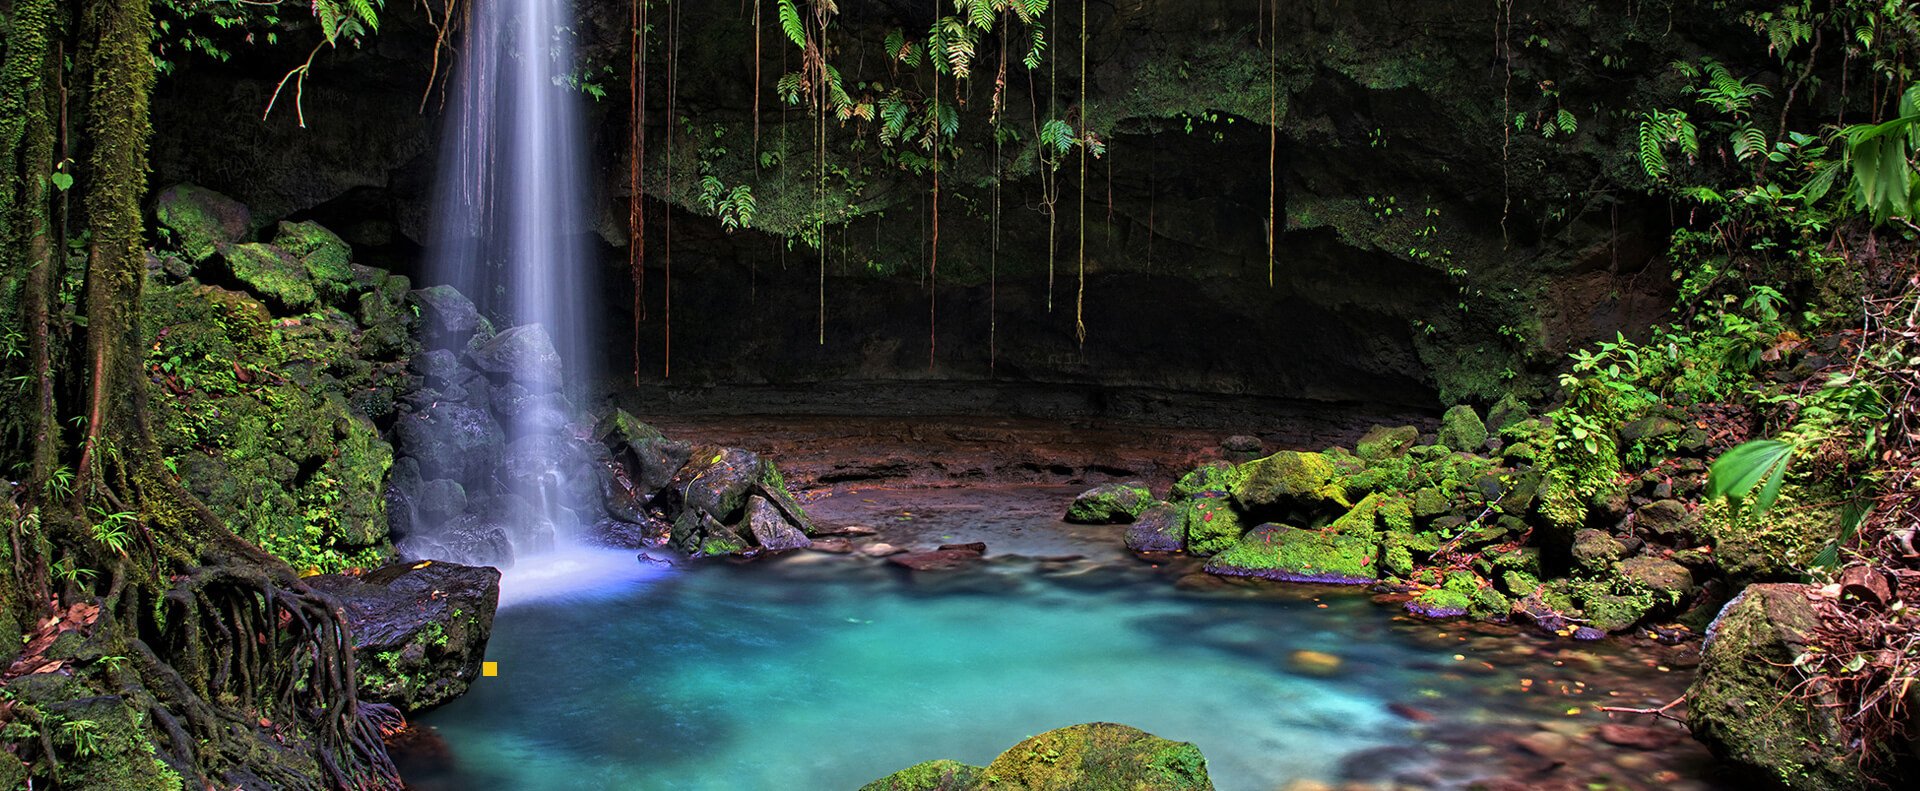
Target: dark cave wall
1397 161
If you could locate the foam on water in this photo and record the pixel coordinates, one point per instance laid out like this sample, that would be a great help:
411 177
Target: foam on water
577 574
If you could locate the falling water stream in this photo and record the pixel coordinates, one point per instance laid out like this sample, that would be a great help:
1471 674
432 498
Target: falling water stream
508 226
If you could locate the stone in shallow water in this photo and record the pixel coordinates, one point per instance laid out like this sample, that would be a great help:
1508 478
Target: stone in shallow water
1161 528
1316 663
1293 554
940 775
937 560
770 529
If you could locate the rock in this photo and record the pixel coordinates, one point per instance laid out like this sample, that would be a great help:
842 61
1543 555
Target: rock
524 355
1749 703
1213 479
271 273
622 534
881 549
1612 612
1315 663
201 220
325 256
1292 554
1545 744
440 500
1210 525
1439 604
1667 520
655 462
452 440
419 630
1595 549
1160 528
440 368
1671 580
1506 412
1461 429
937 560
1639 737
1242 443
1109 504
977 547
941 775
1381 443
620 428
1288 479
1100 755
554 470
770 529
836 546
1648 428
448 320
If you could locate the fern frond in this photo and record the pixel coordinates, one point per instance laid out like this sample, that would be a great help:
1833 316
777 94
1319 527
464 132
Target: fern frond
1653 159
1748 142
1566 121
790 23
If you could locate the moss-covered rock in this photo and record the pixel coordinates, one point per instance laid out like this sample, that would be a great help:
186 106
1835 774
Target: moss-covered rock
1670 580
197 220
1214 478
1293 554
1160 528
1099 755
1751 705
1381 442
269 272
1439 603
1461 429
1288 479
1211 524
1776 546
1596 549
325 256
1109 504
419 630
939 775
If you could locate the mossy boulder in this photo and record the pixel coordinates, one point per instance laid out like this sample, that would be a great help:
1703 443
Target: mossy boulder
1098 755
1505 413
1751 704
271 273
620 427
1160 528
1440 603
1461 429
1670 580
327 259
199 220
1109 504
1210 524
1215 478
1381 442
1773 547
1596 549
940 775
1288 479
1295 554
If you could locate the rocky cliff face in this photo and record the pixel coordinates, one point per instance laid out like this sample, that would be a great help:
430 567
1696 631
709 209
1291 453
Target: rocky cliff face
1452 185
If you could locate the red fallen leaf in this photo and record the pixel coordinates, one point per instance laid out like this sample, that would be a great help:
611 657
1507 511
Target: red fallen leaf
266 723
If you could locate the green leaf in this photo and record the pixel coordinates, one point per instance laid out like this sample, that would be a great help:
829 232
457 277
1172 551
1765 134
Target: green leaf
1760 464
790 22
62 181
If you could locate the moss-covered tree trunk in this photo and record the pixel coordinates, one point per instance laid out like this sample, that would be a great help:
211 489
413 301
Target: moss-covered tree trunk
197 659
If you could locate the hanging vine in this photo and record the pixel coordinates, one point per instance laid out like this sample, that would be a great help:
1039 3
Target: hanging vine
637 157
1080 294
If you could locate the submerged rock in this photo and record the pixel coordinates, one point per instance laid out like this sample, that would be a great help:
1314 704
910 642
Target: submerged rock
419 630
1439 603
1751 705
1294 554
1109 503
937 560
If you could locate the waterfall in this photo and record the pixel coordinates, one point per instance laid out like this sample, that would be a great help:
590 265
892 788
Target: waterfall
509 230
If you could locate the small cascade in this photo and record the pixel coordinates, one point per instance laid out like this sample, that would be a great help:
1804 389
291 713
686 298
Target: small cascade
496 469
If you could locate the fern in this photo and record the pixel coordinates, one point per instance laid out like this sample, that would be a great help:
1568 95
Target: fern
365 10
1748 142
790 22
1036 48
1566 121
979 12
1653 156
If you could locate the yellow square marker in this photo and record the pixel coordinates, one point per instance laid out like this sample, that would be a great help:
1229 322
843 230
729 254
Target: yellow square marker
489 669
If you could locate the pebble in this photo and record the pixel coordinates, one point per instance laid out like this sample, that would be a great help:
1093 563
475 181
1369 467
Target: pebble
881 550
1545 744
1316 663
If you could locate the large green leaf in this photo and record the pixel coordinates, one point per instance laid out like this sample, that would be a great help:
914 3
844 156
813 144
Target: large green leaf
1760 464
